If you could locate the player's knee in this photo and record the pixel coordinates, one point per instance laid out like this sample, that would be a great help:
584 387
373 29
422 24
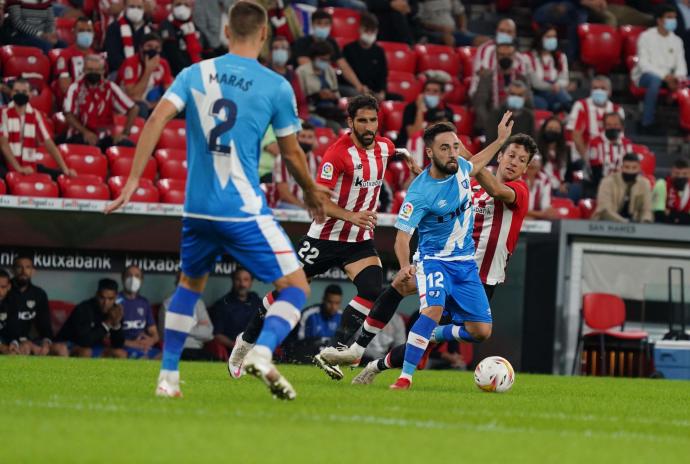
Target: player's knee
297 280
369 283
480 332
59 349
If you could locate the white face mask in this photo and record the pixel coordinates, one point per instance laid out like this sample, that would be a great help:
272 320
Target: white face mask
368 39
132 284
135 14
182 12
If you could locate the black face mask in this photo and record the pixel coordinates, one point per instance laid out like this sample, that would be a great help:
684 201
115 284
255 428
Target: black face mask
629 178
612 134
505 63
151 53
679 183
306 147
20 99
92 78
552 136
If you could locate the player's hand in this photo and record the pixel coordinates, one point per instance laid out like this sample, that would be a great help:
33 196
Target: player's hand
125 196
505 127
26 170
315 200
117 138
115 315
150 64
414 167
44 349
364 219
408 272
421 105
90 137
70 172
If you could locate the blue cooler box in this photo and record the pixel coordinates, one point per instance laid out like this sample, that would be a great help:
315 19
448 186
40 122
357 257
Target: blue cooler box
672 359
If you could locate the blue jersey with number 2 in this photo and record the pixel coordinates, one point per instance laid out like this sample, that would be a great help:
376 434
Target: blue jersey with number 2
229 102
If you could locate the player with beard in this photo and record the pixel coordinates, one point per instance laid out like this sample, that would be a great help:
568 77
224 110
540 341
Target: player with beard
353 168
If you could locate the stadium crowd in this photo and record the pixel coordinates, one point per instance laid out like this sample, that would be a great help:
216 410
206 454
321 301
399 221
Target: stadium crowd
81 77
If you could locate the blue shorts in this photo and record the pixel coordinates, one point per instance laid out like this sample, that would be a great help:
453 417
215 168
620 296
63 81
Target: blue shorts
456 287
259 245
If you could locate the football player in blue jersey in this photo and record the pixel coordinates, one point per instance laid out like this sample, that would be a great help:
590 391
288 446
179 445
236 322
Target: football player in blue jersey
229 102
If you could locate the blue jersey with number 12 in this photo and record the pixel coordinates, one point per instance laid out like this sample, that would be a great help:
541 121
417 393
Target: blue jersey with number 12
229 102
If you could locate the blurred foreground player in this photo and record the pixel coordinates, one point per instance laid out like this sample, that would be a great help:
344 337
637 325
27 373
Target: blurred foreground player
229 103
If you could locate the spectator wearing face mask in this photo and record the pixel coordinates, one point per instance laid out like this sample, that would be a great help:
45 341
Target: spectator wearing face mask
625 196
321 23
518 102
586 119
90 108
672 195
289 192
549 73
70 65
558 164
606 151
278 60
125 35
138 325
146 76
417 113
22 132
485 57
489 87
568 14
661 63
367 59
319 83
181 45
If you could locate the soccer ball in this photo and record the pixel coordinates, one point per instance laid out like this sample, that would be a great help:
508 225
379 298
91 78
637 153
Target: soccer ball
494 374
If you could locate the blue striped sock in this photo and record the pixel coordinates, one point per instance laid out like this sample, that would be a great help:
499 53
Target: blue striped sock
179 320
449 333
282 317
417 341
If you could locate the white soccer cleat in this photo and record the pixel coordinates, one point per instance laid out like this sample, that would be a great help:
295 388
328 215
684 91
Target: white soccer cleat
341 356
168 386
239 352
262 367
333 370
367 375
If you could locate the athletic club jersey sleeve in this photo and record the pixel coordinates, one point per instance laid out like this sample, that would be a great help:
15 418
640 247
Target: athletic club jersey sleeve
521 195
331 167
412 210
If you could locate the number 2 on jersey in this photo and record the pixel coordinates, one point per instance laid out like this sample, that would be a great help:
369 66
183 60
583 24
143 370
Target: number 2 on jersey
230 108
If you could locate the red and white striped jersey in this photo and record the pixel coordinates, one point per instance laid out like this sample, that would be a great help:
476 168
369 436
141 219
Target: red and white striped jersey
589 118
281 174
609 155
355 176
676 201
496 229
540 193
94 107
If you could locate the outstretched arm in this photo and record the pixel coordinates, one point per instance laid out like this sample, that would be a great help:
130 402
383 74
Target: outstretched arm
481 159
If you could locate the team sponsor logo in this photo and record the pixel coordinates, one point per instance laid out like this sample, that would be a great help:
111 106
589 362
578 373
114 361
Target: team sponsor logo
359 166
129 73
442 203
484 210
406 211
31 304
140 310
327 171
435 293
361 183
26 315
133 325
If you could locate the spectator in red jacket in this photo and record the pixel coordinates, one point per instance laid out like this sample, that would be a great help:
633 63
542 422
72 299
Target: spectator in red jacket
90 108
146 76
70 65
22 131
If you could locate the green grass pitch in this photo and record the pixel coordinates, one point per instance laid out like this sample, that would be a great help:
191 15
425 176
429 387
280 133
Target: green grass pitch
73 411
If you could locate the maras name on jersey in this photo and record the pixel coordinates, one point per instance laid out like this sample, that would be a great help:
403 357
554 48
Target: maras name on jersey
231 80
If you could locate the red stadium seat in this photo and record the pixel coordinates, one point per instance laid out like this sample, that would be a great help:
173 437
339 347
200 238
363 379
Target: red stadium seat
455 92
86 191
600 46
399 57
43 102
683 96
114 153
171 191
463 119
404 84
55 55
565 208
147 192
472 145
31 186
59 124
398 199
9 51
13 178
639 92
121 120
160 11
324 139
437 57
392 115
27 62
466 57
78 149
44 158
167 154
3 187
82 179
629 35
345 23
174 135
123 165
59 313
587 207
540 116
173 169
96 165
64 27
647 159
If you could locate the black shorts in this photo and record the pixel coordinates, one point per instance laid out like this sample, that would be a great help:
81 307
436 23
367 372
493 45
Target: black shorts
318 256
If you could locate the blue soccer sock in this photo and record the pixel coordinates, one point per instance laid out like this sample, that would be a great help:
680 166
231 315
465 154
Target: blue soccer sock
179 320
282 317
449 333
417 341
